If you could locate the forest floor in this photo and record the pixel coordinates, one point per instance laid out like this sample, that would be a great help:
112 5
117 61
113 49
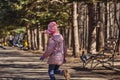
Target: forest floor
17 64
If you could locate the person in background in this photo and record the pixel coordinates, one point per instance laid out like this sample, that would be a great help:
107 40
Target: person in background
55 52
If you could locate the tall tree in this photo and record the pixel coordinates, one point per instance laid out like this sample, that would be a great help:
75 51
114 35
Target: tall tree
92 24
75 30
99 32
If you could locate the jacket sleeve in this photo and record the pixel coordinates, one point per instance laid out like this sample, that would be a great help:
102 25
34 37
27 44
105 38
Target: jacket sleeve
50 48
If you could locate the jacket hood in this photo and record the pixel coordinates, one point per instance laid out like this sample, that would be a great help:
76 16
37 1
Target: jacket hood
57 37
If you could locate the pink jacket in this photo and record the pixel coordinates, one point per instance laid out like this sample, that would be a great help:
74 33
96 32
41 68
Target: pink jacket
55 50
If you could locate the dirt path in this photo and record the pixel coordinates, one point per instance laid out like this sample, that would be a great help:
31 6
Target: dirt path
22 65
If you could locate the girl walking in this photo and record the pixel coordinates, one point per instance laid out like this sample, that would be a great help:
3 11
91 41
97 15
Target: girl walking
55 52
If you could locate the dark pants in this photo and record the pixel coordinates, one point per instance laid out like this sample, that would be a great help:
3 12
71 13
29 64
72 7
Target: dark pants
54 69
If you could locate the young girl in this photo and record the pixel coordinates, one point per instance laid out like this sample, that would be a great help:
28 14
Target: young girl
55 51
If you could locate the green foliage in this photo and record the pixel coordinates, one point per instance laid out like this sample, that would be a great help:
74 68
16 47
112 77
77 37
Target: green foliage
17 13
18 30
9 14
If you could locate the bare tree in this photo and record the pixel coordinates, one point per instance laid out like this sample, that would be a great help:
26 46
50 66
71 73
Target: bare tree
75 30
92 23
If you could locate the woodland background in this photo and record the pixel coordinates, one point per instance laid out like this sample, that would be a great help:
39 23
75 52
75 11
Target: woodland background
85 24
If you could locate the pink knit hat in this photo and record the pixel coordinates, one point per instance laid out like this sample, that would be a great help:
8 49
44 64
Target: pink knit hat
52 28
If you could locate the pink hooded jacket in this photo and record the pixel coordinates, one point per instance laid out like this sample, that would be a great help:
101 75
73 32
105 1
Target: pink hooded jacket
55 47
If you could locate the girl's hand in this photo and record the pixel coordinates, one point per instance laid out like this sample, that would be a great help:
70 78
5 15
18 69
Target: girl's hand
42 58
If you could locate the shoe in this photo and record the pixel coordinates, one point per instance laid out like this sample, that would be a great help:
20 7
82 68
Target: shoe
66 75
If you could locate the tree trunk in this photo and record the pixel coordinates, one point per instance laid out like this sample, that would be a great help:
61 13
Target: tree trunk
99 32
105 26
91 14
28 36
117 20
69 38
75 30
39 39
44 41
35 39
32 39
